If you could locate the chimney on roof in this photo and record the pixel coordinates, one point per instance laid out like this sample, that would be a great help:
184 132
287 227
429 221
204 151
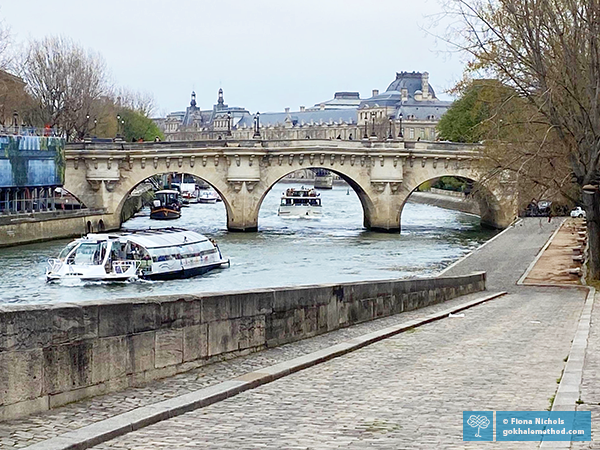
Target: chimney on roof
302 109
287 110
404 92
425 85
375 92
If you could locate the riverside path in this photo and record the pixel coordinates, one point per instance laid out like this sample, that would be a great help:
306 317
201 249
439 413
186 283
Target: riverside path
408 391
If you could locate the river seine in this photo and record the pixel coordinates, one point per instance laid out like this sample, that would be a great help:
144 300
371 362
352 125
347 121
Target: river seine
335 248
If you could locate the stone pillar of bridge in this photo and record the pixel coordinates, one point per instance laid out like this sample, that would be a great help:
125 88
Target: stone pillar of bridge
244 193
382 211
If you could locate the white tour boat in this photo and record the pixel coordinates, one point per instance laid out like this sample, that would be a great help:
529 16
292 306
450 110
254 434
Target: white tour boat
300 203
158 254
208 197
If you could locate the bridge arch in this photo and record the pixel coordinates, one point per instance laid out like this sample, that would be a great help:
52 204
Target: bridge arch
489 204
361 191
135 182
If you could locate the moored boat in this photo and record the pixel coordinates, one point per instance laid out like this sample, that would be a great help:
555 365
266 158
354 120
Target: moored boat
166 205
158 254
300 203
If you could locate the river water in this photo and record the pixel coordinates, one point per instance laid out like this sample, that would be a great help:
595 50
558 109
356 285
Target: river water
284 252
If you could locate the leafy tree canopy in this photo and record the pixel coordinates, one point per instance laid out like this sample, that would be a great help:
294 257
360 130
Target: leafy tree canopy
137 126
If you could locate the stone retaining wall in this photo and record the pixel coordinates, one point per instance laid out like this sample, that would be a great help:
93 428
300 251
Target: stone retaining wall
51 355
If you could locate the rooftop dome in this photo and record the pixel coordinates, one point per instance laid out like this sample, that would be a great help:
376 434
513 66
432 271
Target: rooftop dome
412 81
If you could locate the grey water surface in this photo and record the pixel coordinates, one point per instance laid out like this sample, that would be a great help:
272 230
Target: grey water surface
284 252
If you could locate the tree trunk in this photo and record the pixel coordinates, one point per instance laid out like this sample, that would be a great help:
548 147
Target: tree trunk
591 201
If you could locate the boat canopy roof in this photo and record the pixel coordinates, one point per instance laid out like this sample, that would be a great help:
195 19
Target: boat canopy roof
158 238
167 191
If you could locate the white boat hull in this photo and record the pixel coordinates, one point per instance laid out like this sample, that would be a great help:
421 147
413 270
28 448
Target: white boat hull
300 211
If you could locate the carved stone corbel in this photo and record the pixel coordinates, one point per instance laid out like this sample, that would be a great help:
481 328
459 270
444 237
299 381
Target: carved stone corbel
352 160
342 157
280 159
251 160
423 161
322 158
193 161
110 184
168 161
381 160
311 158
130 162
411 161
216 160
76 163
250 185
301 158
143 162
395 185
155 162
95 162
95 184
446 163
396 161
435 161
109 163
362 160
290 159
379 186
180 161
332 159
236 185
238 160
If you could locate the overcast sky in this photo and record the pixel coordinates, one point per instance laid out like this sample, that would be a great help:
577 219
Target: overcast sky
265 54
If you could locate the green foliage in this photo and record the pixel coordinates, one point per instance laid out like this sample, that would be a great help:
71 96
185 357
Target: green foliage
462 120
136 126
450 184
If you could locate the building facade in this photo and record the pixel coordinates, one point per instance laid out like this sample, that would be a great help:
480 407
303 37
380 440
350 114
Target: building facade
408 109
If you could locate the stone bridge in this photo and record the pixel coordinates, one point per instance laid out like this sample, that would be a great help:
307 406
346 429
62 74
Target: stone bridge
383 174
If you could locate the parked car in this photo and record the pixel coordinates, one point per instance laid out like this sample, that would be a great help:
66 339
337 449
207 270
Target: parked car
578 212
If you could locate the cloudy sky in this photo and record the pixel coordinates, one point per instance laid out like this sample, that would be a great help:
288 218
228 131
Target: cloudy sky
265 54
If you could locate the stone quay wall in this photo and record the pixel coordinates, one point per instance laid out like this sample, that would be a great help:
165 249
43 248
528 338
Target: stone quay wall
51 355
38 227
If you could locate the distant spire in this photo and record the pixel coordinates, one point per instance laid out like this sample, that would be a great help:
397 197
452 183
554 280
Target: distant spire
193 102
220 102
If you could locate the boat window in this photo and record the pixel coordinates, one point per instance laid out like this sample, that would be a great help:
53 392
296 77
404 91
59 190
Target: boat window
88 254
65 252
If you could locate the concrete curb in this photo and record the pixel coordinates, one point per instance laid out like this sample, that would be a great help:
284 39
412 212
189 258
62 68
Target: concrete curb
569 388
521 281
462 258
121 424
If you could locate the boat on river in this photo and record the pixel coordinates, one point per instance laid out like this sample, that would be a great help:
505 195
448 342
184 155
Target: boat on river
166 205
153 254
300 203
208 197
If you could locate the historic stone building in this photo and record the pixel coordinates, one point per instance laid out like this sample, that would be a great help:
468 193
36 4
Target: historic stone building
408 109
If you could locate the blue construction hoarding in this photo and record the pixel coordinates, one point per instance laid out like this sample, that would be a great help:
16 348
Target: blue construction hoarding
32 161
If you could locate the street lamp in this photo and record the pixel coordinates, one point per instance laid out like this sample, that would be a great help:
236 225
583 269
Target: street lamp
400 135
373 114
390 135
257 125
228 123
16 121
118 124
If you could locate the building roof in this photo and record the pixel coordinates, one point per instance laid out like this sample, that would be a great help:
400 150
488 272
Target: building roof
412 81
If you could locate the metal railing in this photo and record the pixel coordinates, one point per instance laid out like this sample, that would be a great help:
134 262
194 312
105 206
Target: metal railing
31 131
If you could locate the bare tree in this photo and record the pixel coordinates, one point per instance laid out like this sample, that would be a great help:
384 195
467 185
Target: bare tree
142 102
549 52
65 80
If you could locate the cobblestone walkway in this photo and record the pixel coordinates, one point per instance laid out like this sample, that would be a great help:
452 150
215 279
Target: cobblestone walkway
406 392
